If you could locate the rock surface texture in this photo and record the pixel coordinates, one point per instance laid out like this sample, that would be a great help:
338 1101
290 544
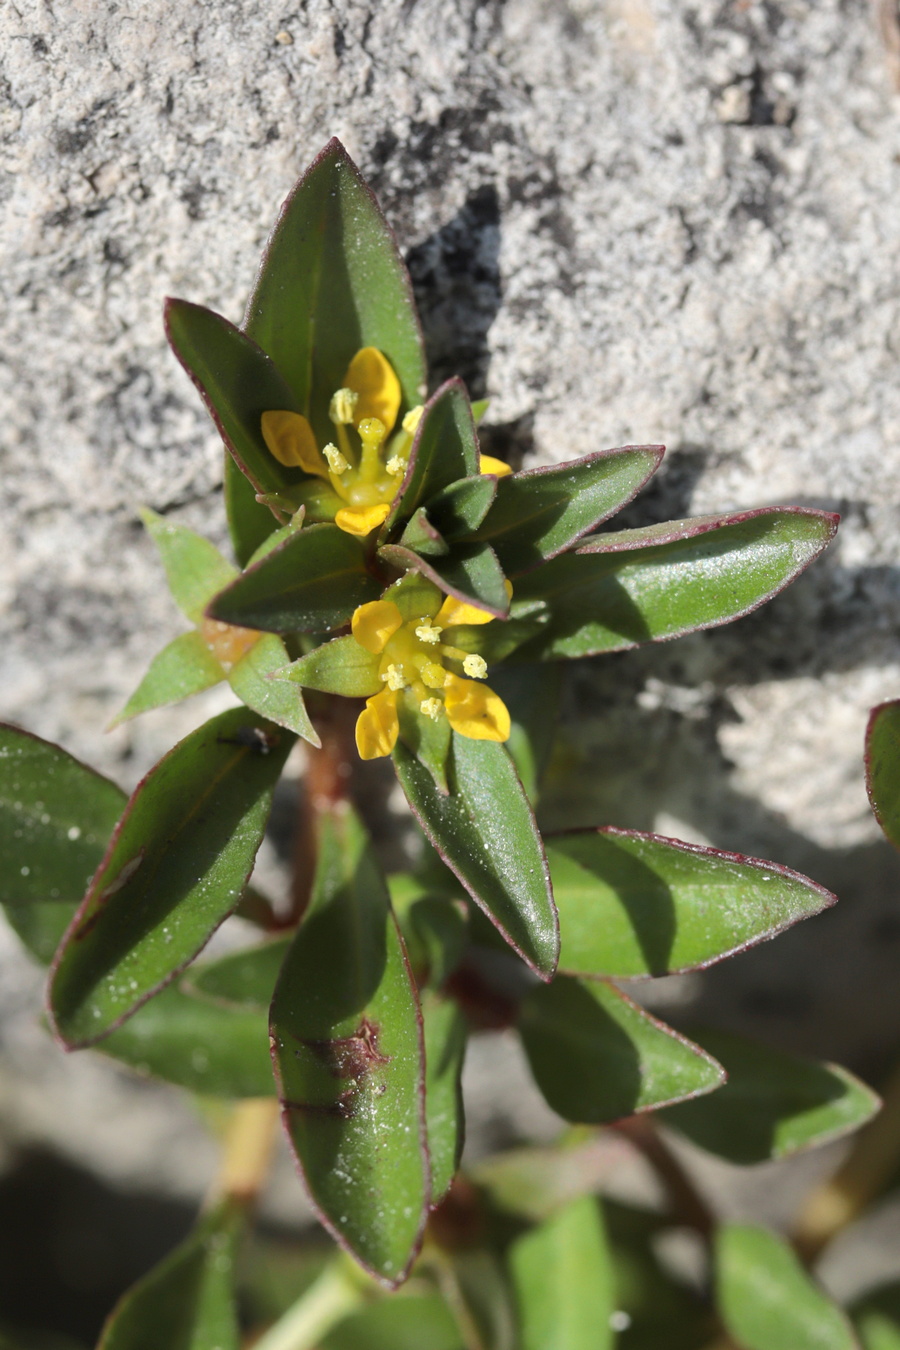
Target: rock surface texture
627 221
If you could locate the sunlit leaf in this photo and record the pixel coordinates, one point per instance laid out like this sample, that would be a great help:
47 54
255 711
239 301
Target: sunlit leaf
564 1281
186 666
278 700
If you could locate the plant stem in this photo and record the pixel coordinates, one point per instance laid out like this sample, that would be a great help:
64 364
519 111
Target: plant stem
247 1150
688 1205
329 772
327 1301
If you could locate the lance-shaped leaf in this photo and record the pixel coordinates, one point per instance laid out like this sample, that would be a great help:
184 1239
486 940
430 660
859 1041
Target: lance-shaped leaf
565 1281
470 572
195 569
341 666
186 666
649 585
540 512
278 700
460 508
597 1056
634 904
446 1033
188 1301
56 817
773 1104
214 1048
174 870
876 1317
332 281
532 695
444 450
883 767
249 522
484 830
313 581
243 979
767 1300
347 1048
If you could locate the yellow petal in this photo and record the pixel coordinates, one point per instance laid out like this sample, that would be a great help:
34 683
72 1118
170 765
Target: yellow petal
290 439
454 611
497 466
475 711
374 624
361 520
377 725
371 375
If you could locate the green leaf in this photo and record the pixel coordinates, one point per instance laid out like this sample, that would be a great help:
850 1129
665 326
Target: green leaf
446 1033
598 1057
444 450
649 585
634 904
175 869
249 523
460 508
429 740
876 1317
413 1322
186 666
434 929
56 816
773 1104
195 569
883 767
341 666
564 1281
215 1049
421 537
313 581
278 700
238 382
242 979
540 512
332 281
532 695
187 1302
470 572
532 1183
348 1057
767 1300
486 834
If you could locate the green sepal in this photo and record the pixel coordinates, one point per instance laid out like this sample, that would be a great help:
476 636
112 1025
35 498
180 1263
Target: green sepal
415 596
331 281
242 979
250 522
56 817
883 767
498 642
278 700
444 450
633 904
460 509
188 1300
540 512
427 738
313 581
349 1061
470 572
195 569
484 830
421 537
773 1104
766 1298
565 1281
446 1034
648 585
597 1057
174 870
341 666
185 667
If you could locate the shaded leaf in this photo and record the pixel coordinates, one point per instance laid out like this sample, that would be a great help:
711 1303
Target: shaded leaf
649 585
249 523
341 666
195 569
460 508
435 931
242 979
635 904
415 1322
56 817
532 695
446 1033
876 1317
186 666
883 767
278 700
174 870
421 537
348 1056
484 830
564 1281
444 450
429 740
597 1056
470 572
535 1182
768 1301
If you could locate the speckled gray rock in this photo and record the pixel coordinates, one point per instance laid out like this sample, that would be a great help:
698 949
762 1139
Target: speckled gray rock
627 220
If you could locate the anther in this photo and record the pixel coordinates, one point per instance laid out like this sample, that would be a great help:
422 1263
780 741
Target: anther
475 666
394 677
431 707
412 419
396 466
343 405
428 631
336 461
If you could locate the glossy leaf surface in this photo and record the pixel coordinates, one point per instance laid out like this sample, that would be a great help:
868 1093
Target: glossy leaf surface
649 585
278 700
186 666
348 1057
540 512
446 1033
460 508
445 449
564 1281
175 869
883 767
195 569
332 281
635 904
484 830
598 1057
187 1302
313 581
470 572
767 1300
56 817
773 1104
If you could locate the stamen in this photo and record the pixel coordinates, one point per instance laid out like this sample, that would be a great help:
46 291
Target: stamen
412 420
475 666
428 631
342 406
394 677
431 707
336 461
396 466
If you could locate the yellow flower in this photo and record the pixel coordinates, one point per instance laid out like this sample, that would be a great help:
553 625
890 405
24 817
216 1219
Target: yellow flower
363 470
413 667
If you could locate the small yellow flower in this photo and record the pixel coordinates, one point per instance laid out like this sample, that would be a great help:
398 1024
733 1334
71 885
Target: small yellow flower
362 470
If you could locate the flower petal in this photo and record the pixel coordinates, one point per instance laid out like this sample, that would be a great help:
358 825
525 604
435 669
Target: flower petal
497 466
377 725
290 439
371 376
374 624
361 520
475 711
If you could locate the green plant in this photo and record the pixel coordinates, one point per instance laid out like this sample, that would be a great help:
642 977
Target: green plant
384 558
